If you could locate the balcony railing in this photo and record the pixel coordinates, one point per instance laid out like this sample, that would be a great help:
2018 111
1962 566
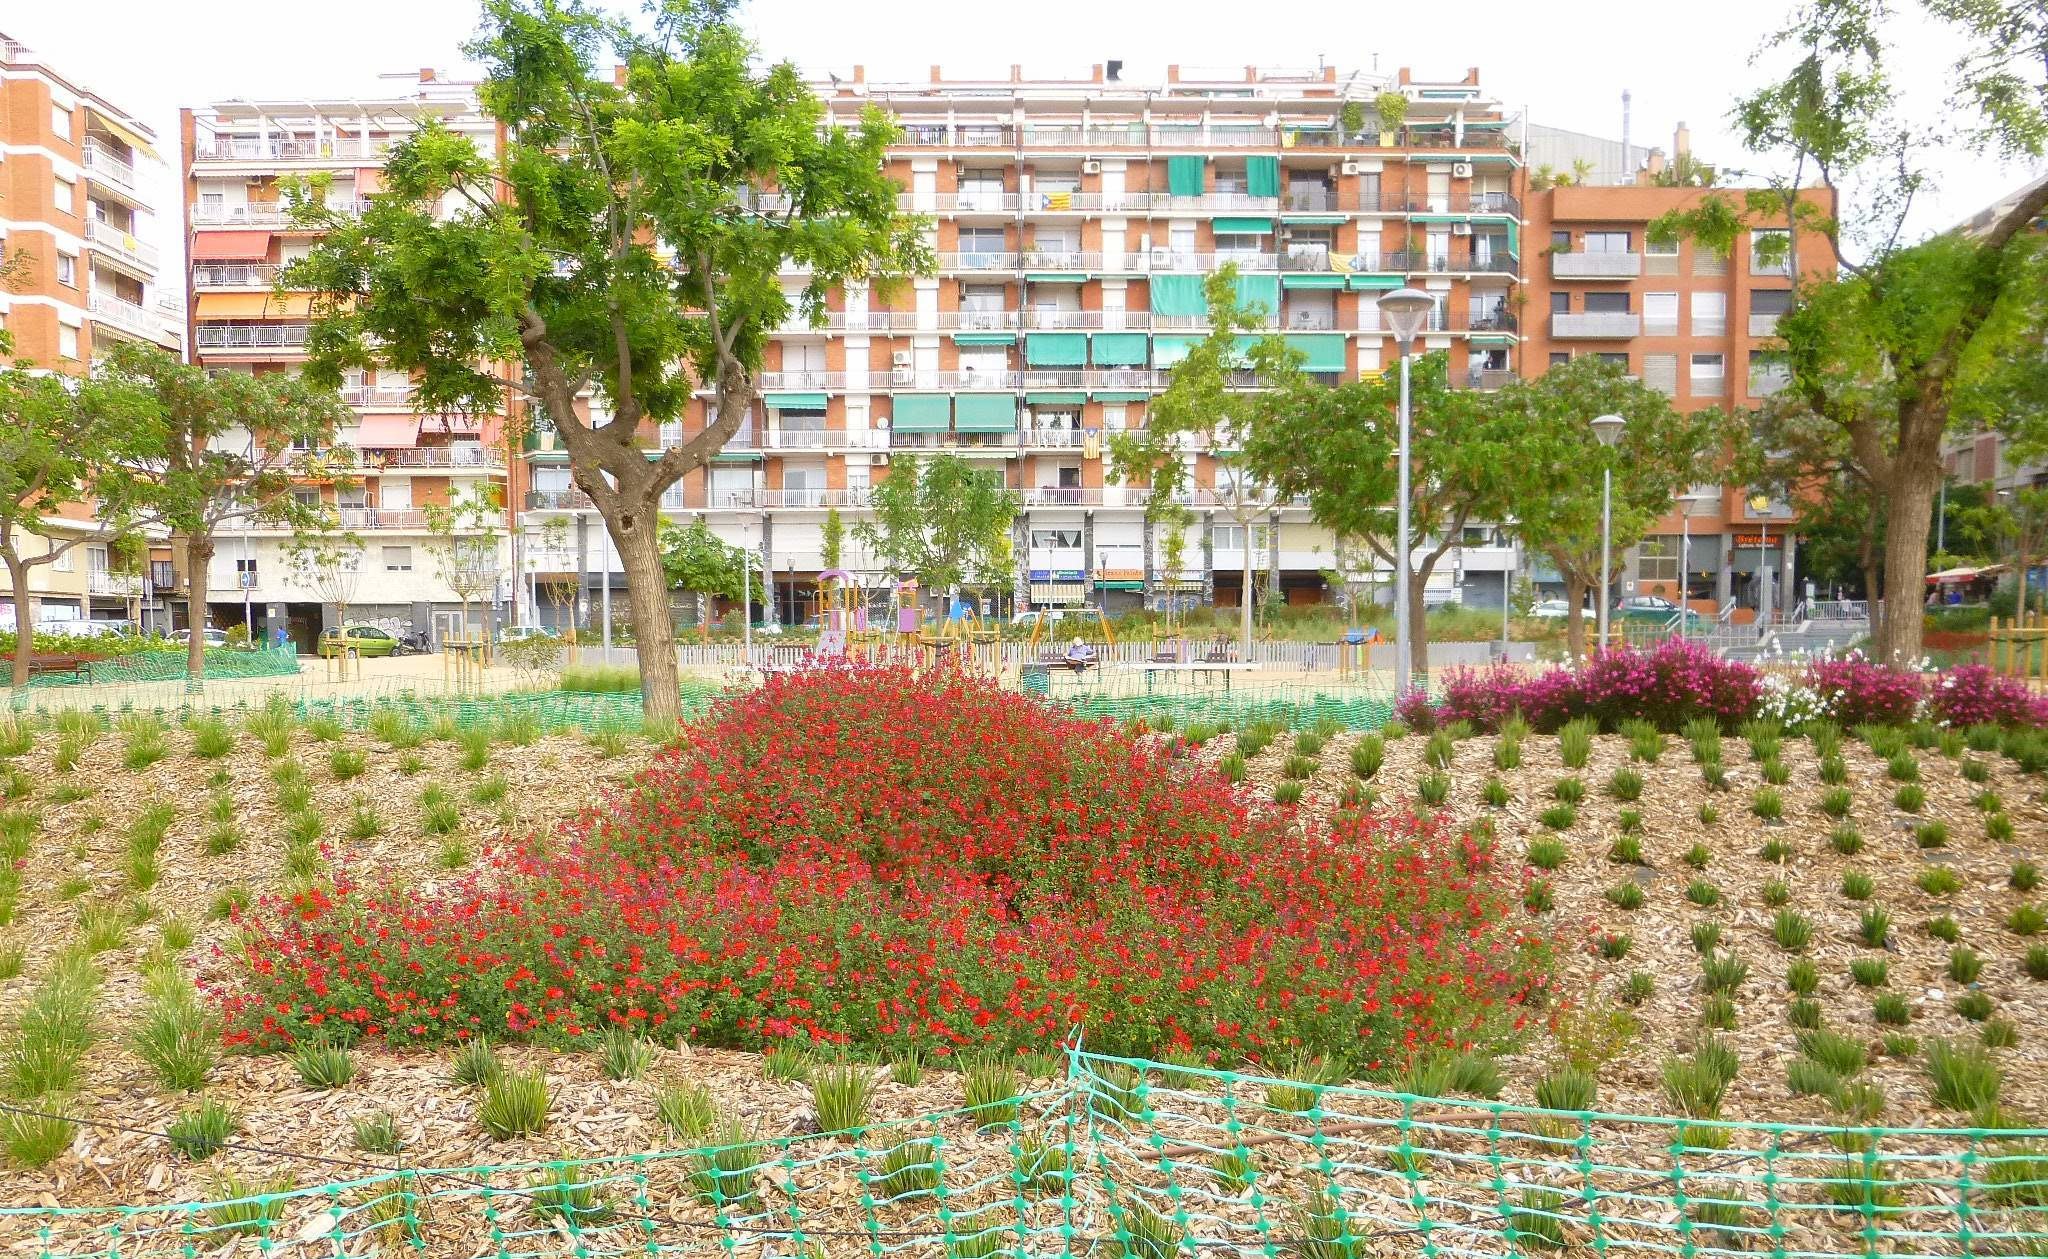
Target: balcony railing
1055 438
460 456
114 585
557 500
1763 325
1597 324
127 316
382 518
234 275
1491 261
1063 496
1062 260
264 336
1139 135
989 260
264 214
121 244
285 149
377 395
103 164
1308 200
1595 266
819 439
1488 377
1109 320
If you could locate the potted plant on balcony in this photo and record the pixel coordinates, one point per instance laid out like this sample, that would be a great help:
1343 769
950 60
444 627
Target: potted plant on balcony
1353 119
1392 110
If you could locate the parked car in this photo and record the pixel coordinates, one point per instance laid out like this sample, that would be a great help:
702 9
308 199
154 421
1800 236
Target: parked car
525 633
211 636
367 640
1655 610
79 627
1555 610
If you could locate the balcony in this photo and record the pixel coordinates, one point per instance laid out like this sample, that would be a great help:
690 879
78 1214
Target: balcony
1063 496
817 439
558 500
230 583
264 214
235 275
123 246
803 381
1763 325
1085 320
1062 260
103 165
135 320
990 260
263 336
1599 325
1056 438
1496 261
382 518
1308 200
1488 377
467 455
1596 266
113 585
377 395
285 149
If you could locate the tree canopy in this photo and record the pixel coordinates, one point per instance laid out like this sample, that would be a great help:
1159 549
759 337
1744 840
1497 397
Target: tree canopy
943 520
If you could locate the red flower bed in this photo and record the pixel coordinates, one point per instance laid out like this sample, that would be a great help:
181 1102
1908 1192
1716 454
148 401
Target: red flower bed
891 860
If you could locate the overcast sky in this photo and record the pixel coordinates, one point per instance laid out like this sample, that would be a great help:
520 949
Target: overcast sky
1565 63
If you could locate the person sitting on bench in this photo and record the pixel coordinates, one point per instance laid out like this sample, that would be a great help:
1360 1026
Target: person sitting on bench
1080 656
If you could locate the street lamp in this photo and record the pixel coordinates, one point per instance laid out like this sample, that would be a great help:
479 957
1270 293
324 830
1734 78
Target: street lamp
1607 428
1406 310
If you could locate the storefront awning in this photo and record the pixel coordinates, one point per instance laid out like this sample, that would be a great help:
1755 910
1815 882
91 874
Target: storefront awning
388 432
1377 281
254 306
1304 220
1056 277
230 246
1121 395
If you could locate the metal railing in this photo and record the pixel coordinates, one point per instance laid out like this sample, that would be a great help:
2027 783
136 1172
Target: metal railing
267 336
1492 262
1488 377
382 518
557 500
466 455
264 214
121 243
259 148
103 164
235 275
101 581
125 315
376 395
1055 438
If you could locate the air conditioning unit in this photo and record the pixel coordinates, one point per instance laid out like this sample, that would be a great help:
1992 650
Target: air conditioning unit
900 358
1461 229
1348 168
1461 170
1091 167
1162 257
902 376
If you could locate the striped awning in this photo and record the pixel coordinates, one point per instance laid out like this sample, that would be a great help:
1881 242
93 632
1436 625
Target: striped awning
1059 592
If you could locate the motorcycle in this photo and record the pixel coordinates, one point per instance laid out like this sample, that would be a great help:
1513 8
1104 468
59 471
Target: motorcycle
412 642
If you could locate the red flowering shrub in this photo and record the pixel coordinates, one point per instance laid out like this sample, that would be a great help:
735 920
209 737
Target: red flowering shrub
1669 684
890 859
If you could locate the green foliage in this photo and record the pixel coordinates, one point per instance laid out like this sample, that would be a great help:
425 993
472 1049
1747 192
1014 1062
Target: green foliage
1874 926
1944 929
1792 930
1547 852
377 1133
514 1104
1575 742
622 1054
1870 972
1938 881
1965 1077
907 1169
1705 936
1722 972
1846 840
1558 817
1625 896
178 1036
686 1110
1496 793
990 1090
1367 755
38 1139
1703 893
322 1064
1857 885
1767 804
203 1131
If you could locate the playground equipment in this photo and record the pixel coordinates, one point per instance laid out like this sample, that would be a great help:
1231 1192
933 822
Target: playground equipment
1354 650
842 617
963 633
464 657
1082 613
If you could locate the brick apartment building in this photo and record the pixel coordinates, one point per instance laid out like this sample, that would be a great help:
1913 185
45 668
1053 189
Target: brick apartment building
76 223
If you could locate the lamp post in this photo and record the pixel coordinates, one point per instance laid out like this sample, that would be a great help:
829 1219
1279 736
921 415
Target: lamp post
1607 428
1406 309
1688 505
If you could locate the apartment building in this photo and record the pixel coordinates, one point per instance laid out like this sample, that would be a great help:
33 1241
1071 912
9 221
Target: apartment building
1979 456
77 225
1074 222
1699 328
241 159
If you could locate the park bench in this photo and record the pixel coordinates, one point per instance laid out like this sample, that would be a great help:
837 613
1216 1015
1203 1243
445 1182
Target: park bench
76 665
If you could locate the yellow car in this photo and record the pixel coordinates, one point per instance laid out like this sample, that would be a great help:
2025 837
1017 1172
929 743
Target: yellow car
366 640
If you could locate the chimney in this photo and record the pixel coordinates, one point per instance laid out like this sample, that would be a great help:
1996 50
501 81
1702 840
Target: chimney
938 75
426 74
1016 74
1115 71
1173 74
1653 167
1628 166
1681 140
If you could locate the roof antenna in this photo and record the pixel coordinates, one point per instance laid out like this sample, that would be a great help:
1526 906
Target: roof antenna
1628 166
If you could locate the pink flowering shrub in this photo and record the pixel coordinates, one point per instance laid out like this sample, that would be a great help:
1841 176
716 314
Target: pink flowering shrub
1856 691
1972 695
1670 685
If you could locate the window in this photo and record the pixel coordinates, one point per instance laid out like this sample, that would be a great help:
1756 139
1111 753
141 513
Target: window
1561 242
1708 373
1660 314
1657 558
1369 190
1660 257
212 205
394 493
1231 537
1617 357
245 572
1770 252
1113 419
1660 372
981 240
67 270
64 195
60 121
1661 248
306 496
983 298
1607 242
801 420
1046 538
1709 314
356 498
1560 302
67 341
65 562
1558 358
1607 303
95 559
1770 301
397 559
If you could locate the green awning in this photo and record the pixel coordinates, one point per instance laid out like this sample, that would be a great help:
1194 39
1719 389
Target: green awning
1231 226
1056 349
1377 281
1187 176
1241 348
1438 218
985 413
1121 395
1120 349
1324 353
1259 292
1119 585
1262 176
795 401
1056 398
1304 220
1168 350
1514 238
1312 281
1057 277
984 338
736 456
1491 338
922 413
1178 295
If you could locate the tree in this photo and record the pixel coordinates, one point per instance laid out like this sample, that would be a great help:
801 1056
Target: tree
698 560
57 439
1203 404
1911 340
466 551
1339 447
204 451
330 563
1686 171
1660 454
626 239
943 520
831 538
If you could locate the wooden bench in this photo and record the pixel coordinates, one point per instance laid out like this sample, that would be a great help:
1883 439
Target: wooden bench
76 665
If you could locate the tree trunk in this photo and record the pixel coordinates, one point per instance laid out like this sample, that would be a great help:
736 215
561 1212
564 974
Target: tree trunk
1244 601
198 559
1418 621
1916 477
1866 559
654 630
1574 615
24 619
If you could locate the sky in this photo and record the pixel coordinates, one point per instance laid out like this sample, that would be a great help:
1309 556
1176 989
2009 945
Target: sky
1566 69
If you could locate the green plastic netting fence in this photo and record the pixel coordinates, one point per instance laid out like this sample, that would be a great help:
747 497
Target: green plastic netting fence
169 666
1134 1159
